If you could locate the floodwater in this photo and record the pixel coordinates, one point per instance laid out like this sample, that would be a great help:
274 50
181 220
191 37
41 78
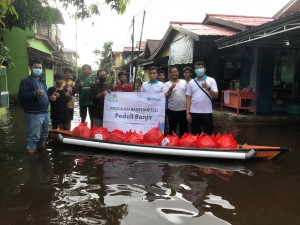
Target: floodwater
72 185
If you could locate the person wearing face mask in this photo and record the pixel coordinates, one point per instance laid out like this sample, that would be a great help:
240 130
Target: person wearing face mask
35 102
97 94
199 95
82 87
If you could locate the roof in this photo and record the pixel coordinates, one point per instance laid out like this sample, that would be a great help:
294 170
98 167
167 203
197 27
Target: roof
46 39
128 49
65 50
249 21
292 6
287 27
202 29
152 45
192 29
143 44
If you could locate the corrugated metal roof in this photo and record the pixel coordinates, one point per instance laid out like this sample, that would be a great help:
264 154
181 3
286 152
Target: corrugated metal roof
152 45
128 49
244 20
292 6
205 30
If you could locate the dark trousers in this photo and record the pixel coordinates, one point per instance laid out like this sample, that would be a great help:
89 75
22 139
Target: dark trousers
177 117
83 112
202 122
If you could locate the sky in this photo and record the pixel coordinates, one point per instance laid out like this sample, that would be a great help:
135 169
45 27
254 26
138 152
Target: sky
92 33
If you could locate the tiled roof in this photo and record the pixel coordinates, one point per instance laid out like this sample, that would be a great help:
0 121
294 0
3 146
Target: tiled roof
204 30
244 20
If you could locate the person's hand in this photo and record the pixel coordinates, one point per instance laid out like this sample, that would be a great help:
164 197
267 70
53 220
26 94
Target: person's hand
101 95
173 86
188 117
53 98
204 84
68 94
80 84
40 91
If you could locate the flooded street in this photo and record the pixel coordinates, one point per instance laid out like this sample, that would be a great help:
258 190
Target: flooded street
73 185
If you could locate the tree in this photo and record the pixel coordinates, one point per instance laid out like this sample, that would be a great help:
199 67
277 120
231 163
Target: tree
25 13
106 56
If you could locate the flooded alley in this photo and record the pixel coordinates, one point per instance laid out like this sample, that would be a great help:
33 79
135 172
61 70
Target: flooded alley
73 185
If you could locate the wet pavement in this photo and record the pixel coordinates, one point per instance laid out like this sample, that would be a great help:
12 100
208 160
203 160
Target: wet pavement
74 185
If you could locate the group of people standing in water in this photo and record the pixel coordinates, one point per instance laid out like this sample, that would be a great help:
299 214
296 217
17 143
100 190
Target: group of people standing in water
188 100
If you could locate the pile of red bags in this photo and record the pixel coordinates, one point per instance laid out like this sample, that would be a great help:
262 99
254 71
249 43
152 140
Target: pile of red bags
155 137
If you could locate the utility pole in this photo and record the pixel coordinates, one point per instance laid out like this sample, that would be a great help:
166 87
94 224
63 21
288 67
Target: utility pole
132 50
137 61
76 71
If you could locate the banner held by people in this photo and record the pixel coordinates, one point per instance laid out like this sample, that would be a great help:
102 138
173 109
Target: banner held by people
136 111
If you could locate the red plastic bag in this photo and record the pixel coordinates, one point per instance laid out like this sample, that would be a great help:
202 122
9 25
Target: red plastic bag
100 133
153 136
82 130
226 141
117 136
134 138
207 141
171 140
188 140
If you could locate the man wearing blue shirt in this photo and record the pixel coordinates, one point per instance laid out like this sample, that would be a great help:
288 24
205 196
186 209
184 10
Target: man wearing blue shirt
34 101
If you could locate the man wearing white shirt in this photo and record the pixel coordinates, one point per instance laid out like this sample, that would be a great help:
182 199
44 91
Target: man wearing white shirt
199 95
176 102
153 85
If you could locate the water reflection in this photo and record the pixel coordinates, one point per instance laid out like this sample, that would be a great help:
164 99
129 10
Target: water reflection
71 185
118 190
31 203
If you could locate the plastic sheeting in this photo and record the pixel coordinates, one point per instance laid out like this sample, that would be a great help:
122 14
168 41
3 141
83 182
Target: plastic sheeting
181 50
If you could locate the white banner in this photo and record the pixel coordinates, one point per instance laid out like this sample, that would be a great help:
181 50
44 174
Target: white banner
136 111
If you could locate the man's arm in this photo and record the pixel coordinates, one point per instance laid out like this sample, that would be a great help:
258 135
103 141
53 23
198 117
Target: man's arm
188 107
26 92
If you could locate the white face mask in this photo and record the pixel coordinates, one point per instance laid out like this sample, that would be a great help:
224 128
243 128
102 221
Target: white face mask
37 72
199 71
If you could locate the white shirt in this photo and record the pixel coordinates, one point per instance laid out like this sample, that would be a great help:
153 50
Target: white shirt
154 87
200 102
177 99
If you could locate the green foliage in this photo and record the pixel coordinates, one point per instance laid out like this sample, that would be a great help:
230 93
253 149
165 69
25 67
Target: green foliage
139 78
37 11
106 56
6 7
25 13
85 10
5 58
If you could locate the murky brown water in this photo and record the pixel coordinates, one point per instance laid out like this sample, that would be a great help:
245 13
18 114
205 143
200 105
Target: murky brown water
65 185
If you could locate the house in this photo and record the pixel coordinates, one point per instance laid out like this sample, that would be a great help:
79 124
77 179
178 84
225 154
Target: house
260 52
43 43
129 56
268 59
70 56
187 42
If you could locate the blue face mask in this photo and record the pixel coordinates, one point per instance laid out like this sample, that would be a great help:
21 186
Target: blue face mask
37 72
199 71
